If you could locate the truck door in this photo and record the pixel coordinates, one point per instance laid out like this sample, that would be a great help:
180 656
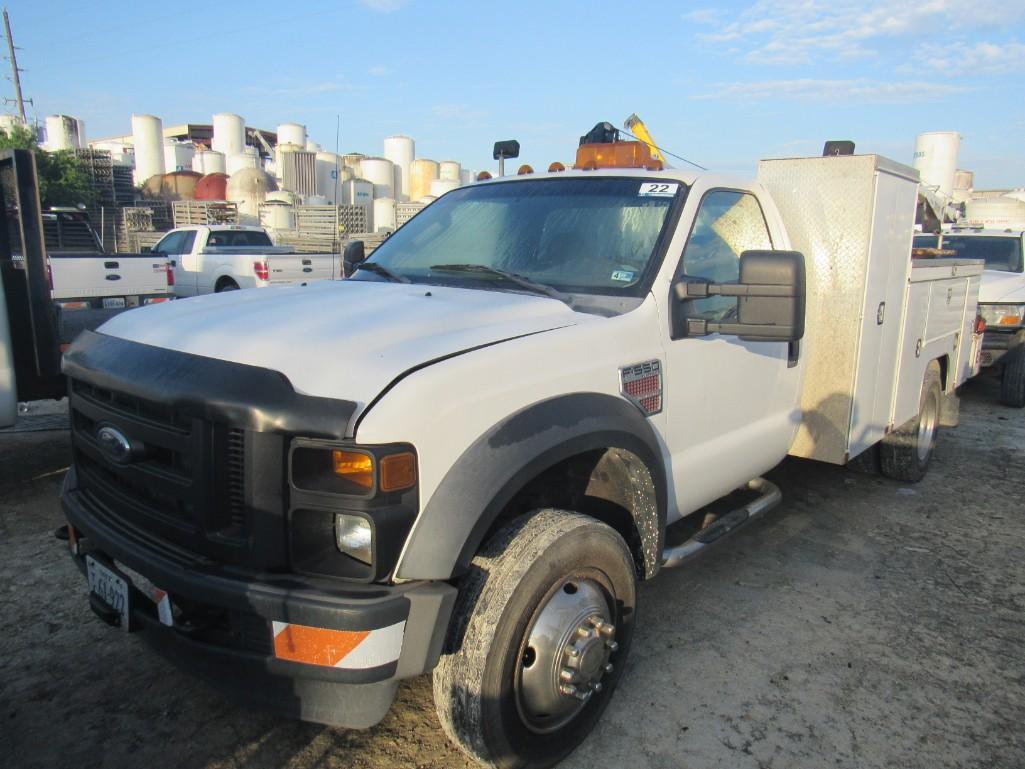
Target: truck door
173 247
732 405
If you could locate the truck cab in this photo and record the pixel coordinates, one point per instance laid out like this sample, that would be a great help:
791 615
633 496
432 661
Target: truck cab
1001 299
462 458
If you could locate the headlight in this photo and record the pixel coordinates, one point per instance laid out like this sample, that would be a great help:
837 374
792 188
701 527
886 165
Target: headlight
1002 314
354 537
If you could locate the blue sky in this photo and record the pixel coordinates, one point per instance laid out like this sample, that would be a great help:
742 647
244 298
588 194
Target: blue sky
723 84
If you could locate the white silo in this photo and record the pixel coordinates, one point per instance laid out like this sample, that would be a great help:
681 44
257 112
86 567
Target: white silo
229 134
400 150
292 133
178 155
82 143
357 192
384 214
422 173
248 188
209 162
275 215
440 186
331 175
936 159
381 173
240 160
148 139
312 146
449 169
62 133
466 176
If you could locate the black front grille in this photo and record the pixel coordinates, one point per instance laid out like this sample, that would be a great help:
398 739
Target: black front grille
186 486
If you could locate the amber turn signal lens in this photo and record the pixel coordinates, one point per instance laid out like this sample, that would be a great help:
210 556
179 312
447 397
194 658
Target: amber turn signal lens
398 471
355 467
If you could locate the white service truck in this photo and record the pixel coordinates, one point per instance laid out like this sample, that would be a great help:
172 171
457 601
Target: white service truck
1001 299
227 257
463 458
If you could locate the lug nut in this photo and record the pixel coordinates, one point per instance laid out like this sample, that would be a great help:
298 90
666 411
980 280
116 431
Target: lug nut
569 691
567 675
608 667
613 646
596 686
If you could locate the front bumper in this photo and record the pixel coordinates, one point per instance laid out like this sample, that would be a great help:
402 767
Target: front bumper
996 344
281 641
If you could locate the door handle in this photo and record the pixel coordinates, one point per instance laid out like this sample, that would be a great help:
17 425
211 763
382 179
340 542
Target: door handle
880 313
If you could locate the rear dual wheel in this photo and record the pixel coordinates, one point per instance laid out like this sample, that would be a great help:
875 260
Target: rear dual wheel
905 453
541 628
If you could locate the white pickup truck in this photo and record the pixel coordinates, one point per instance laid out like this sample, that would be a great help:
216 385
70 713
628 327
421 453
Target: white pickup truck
463 458
216 258
1001 299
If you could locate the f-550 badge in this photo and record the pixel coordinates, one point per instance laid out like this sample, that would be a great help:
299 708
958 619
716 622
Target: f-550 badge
641 383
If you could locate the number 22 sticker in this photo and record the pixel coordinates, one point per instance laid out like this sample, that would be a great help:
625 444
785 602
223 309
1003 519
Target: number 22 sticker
658 189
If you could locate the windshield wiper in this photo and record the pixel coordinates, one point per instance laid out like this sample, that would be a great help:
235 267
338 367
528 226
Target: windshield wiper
380 269
512 277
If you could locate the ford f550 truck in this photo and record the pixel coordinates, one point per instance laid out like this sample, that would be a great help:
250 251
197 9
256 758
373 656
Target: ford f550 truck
463 458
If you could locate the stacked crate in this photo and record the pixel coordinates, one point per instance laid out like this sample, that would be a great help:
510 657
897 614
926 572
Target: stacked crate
202 212
406 211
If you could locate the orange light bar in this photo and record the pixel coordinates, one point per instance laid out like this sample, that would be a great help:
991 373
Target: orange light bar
355 467
1010 320
398 471
616 155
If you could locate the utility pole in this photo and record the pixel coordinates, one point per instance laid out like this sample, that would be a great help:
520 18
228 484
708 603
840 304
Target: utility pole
14 68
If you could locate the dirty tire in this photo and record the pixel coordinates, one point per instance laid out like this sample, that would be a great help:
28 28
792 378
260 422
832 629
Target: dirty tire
226 285
515 574
905 453
1012 382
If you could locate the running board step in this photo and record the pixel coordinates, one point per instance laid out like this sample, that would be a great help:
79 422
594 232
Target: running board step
768 497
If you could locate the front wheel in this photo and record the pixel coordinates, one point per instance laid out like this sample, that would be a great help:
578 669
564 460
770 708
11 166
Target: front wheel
1012 380
905 453
538 640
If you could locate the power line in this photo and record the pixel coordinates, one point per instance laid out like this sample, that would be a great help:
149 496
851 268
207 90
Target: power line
661 149
19 100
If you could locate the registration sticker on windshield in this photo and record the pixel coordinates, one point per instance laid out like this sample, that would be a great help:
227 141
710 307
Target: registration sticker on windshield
658 189
624 276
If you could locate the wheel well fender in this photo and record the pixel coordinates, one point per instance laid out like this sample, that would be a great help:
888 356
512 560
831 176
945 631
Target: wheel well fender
502 462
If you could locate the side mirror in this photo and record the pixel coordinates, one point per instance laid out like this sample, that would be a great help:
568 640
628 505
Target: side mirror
770 295
353 255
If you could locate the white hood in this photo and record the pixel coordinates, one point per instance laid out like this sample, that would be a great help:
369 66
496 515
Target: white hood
340 339
1002 287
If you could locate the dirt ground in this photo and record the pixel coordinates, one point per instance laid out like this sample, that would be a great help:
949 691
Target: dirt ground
864 623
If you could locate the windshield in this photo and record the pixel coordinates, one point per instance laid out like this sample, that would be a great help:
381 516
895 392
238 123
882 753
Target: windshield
591 235
999 253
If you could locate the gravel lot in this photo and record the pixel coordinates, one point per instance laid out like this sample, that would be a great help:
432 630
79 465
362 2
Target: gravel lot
862 624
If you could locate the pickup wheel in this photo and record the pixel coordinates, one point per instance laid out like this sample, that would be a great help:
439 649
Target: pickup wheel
537 643
1012 380
225 284
904 454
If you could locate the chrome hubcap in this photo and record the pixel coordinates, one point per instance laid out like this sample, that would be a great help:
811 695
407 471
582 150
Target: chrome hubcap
566 655
927 428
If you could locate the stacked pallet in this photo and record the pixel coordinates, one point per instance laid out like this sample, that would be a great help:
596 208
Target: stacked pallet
203 212
150 221
406 211
100 170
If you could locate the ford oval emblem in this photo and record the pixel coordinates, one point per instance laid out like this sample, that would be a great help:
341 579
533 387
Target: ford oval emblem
114 443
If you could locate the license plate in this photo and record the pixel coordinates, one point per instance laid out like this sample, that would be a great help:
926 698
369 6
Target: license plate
113 302
109 586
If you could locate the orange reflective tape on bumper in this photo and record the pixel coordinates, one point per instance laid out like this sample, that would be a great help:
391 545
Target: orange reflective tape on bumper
338 648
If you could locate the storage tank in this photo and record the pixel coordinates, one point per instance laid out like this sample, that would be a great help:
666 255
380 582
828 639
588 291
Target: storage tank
352 160
63 133
400 150
275 215
248 188
240 160
381 173
422 173
449 169
209 162
465 177
357 192
179 185
331 174
178 155
936 159
384 214
312 146
995 213
229 134
148 139
282 196
292 133
212 187
440 186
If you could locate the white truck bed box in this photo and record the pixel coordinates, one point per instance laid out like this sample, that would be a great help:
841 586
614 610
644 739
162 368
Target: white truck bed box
853 219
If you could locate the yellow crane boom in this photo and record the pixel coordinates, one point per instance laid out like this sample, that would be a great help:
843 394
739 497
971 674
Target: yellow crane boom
636 126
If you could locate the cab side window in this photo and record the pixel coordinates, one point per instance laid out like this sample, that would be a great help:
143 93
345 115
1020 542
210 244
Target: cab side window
170 245
727 224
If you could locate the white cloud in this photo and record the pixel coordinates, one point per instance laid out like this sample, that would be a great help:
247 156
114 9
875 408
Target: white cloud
383 6
379 71
810 89
803 31
980 58
703 15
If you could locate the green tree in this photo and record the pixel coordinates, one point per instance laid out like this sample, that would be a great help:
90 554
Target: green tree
63 181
